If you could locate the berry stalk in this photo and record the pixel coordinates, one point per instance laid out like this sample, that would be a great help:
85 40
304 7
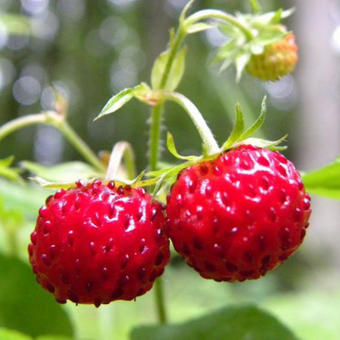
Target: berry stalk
209 142
216 14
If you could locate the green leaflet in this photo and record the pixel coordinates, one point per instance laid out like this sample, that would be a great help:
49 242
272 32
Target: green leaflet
324 181
236 323
123 97
20 296
175 73
64 172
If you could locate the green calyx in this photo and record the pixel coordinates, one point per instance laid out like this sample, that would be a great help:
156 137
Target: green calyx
238 136
266 30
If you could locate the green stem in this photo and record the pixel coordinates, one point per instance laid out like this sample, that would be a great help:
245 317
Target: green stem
80 145
216 14
173 51
19 123
157 111
155 132
211 147
159 297
54 119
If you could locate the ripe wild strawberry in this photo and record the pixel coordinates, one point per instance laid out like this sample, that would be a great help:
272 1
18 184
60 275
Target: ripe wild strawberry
240 215
94 244
277 60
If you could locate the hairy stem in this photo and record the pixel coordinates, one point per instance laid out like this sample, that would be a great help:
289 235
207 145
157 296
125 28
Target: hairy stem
211 147
155 132
217 14
19 123
54 119
157 111
80 145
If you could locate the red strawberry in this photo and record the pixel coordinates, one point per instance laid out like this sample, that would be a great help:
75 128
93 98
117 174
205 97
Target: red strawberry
94 244
277 60
240 215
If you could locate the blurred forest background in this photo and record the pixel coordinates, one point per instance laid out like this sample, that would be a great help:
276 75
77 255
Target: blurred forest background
92 49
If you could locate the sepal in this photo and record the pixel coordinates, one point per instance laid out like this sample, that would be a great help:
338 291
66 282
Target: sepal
266 29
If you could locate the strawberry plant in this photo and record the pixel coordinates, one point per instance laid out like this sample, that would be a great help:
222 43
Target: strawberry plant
233 213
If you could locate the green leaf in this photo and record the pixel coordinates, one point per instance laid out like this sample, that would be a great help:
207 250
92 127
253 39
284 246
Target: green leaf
7 172
24 198
64 172
241 62
175 73
25 306
236 323
324 181
121 98
258 123
172 148
7 334
52 185
198 27
116 102
237 130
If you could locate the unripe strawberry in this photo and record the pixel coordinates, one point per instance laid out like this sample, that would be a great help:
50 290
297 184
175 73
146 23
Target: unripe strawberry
277 60
95 243
240 215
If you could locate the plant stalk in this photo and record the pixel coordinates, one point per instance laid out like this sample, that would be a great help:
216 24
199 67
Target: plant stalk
157 112
217 14
211 146
155 132
80 145
54 119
